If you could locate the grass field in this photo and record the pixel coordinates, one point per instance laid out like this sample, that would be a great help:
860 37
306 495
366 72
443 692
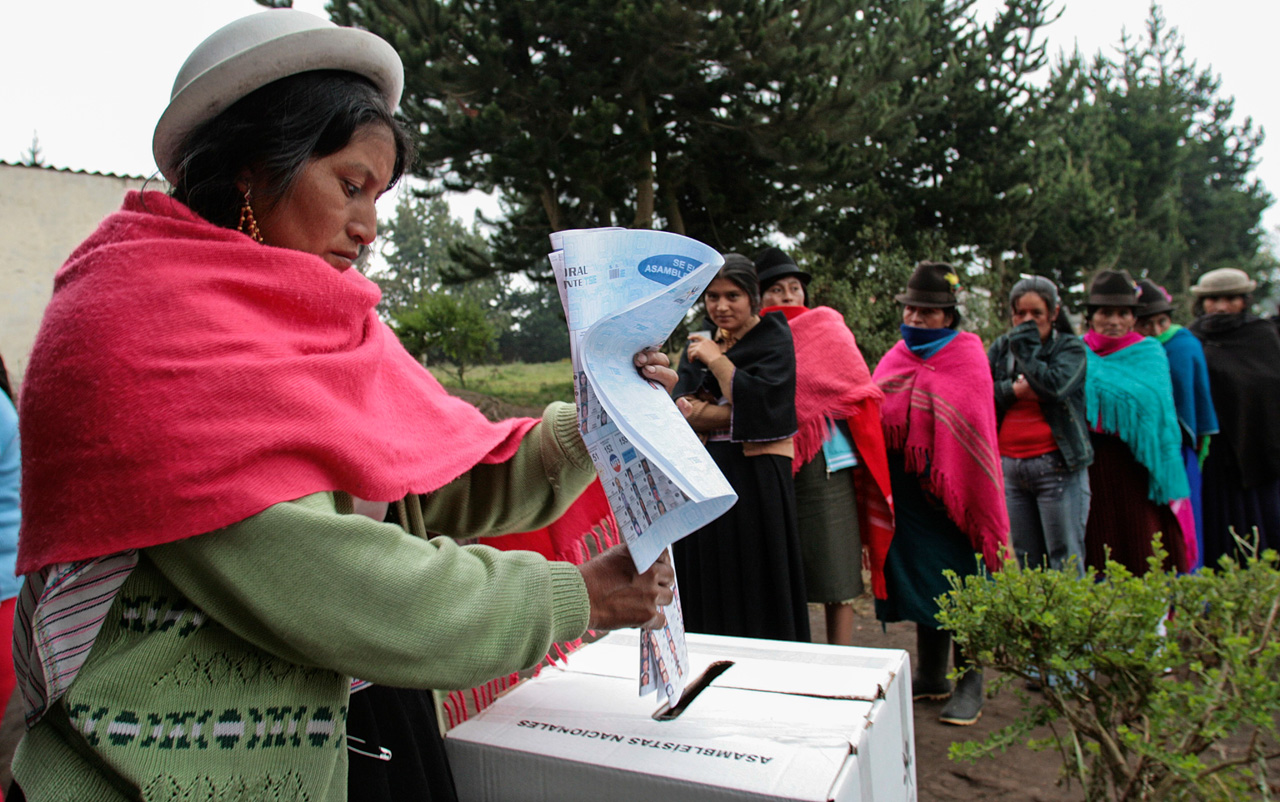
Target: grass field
533 385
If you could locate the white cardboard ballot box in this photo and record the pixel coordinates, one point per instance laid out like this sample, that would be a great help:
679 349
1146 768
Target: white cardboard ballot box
778 721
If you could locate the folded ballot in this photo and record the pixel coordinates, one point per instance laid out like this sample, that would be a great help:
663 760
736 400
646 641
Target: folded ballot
625 290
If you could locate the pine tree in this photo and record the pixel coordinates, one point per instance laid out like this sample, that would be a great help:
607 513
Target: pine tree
714 118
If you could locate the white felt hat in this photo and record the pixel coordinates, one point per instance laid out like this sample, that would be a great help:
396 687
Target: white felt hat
254 51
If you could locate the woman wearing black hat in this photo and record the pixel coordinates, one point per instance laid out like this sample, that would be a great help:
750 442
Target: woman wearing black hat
1242 471
948 490
1192 399
741 574
838 413
1137 470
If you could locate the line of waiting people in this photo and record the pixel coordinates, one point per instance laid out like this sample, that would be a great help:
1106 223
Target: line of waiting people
1093 445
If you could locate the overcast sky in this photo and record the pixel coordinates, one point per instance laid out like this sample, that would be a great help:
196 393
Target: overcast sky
92 77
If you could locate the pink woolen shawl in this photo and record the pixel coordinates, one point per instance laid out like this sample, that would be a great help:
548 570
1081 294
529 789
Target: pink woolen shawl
832 379
940 414
186 377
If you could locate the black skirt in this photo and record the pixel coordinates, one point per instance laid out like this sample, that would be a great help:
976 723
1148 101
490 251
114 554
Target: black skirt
741 575
1229 507
402 721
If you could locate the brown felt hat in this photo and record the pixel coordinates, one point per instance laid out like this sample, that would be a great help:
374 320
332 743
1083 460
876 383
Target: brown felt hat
1112 288
1152 299
931 285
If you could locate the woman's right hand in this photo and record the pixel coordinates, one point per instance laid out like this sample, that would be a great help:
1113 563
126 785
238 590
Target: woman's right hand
621 597
703 350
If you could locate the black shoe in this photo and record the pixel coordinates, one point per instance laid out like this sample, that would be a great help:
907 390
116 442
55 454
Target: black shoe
930 680
965 707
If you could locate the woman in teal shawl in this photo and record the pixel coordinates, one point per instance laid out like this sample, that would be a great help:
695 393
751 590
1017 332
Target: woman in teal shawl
1137 470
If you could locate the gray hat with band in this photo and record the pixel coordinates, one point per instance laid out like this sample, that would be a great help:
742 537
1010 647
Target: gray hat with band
1224 281
251 52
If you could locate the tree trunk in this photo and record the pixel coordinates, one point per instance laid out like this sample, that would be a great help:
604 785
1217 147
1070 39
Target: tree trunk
551 205
671 205
644 183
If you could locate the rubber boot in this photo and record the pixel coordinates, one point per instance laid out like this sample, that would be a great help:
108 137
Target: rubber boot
965 707
930 680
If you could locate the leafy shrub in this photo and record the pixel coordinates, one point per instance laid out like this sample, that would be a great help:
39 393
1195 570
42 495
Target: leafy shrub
1159 687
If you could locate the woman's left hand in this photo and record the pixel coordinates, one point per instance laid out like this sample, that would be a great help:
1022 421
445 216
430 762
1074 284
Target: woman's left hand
1022 390
656 366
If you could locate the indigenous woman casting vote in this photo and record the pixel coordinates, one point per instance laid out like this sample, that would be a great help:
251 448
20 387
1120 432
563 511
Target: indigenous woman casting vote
199 454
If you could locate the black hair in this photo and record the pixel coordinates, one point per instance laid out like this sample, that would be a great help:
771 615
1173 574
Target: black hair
740 270
1090 309
956 317
1062 322
274 131
1045 288
1197 307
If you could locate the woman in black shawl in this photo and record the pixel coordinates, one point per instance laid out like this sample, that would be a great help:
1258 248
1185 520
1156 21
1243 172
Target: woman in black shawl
1242 472
741 574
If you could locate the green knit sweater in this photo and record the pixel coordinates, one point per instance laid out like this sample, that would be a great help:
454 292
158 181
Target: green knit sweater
223 668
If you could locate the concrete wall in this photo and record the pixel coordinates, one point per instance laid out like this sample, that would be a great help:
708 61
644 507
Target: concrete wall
44 214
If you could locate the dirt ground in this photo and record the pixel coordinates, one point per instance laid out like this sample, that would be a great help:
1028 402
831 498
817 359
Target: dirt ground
1020 774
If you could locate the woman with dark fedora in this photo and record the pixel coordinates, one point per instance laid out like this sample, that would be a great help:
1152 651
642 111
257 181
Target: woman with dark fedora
208 467
839 437
1192 399
1242 470
1137 469
741 574
948 490
1039 376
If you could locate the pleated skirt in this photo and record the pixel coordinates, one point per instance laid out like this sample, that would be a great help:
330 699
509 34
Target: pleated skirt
1121 517
741 575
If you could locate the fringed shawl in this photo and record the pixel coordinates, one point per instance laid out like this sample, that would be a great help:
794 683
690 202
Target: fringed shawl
940 414
586 528
186 377
832 382
1129 393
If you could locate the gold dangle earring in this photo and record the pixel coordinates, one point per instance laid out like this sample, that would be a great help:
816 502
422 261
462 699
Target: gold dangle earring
248 225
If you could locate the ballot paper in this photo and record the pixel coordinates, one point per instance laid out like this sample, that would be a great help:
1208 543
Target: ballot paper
625 290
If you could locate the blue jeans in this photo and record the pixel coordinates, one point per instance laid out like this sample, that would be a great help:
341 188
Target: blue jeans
1048 507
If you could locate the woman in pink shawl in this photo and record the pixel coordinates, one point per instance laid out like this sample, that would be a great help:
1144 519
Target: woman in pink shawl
217 423
948 488
839 437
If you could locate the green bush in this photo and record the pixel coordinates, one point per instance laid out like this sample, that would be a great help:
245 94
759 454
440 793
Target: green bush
1159 687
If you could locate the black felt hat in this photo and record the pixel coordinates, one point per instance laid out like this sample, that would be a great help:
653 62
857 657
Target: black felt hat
1152 299
932 285
773 264
1112 288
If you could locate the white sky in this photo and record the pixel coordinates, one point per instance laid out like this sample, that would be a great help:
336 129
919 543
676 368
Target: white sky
92 77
